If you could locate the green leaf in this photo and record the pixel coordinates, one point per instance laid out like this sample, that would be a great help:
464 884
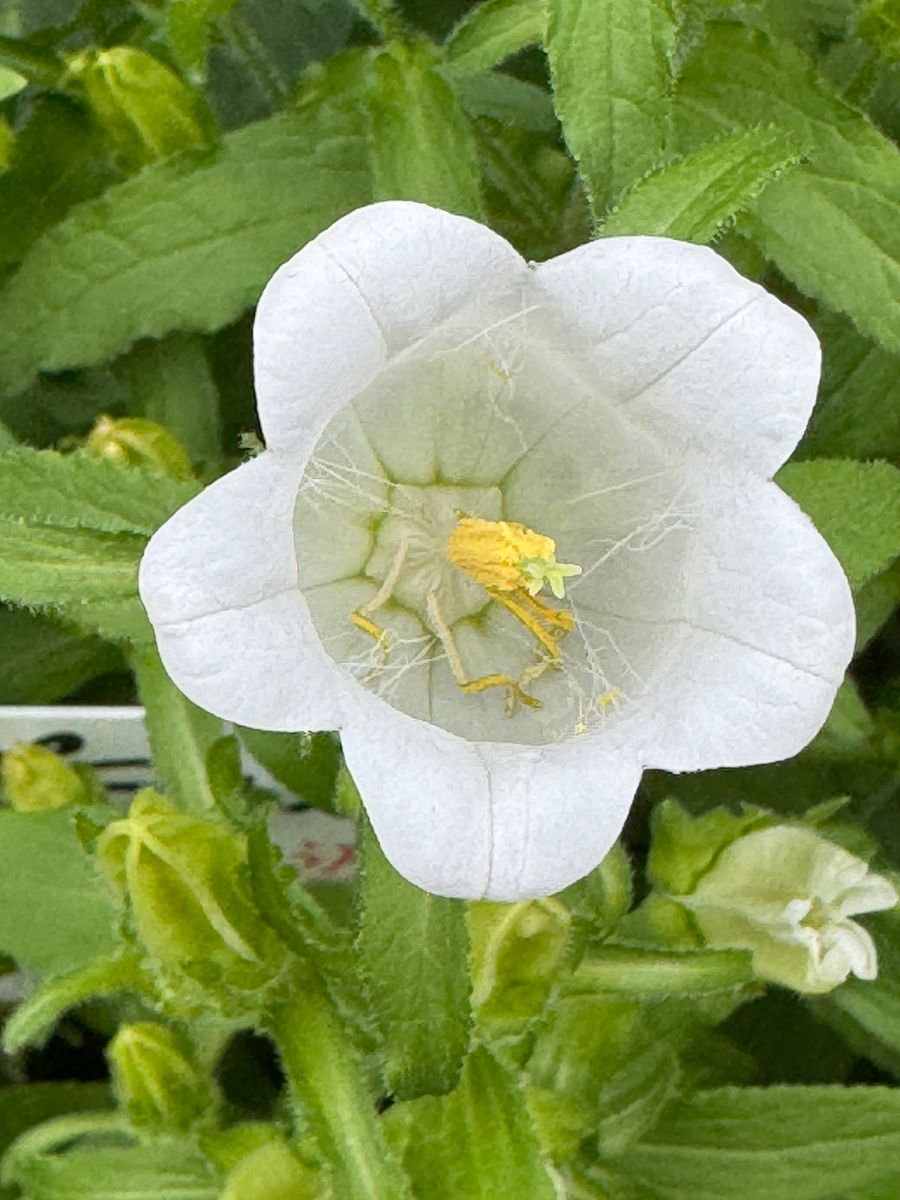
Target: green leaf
181 735
633 1098
34 1020
778 1143
189 25
509 100
55 913
84 577
858 411
875 604
413 951
477 1143
494 30
61 159
188 243
832 226
421 143
693 198
25 1105
171 383
531 195
77 491
307 763
867 1012
168 1170
41 661
611 76
856 508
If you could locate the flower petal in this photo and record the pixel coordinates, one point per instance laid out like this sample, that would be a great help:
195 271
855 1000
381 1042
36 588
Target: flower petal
368 287
689 347
483 820
218 581
766 635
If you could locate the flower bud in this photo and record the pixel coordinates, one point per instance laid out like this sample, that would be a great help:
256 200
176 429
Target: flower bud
139 443
35 779
273 1172
184 878
147 111
787 894
516 953
155 1078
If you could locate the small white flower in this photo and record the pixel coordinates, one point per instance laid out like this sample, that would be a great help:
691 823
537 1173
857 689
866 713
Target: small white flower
514 535
788 894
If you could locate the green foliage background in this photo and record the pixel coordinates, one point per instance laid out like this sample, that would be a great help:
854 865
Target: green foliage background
158 159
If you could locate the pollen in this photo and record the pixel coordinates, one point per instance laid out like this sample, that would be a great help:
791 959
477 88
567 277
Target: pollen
505 556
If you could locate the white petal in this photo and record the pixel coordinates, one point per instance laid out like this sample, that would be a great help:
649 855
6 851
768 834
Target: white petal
367 288
482 820
873 894
693 350
766 636
218 581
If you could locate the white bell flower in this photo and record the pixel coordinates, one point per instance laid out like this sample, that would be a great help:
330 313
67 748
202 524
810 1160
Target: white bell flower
788 895
514 535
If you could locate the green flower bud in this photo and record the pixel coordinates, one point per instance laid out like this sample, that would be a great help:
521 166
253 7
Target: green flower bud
156 1080
147 111
787 894
139 443
184 877
273 1172
35 779
516 952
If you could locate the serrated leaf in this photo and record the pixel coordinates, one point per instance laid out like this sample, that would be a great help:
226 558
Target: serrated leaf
477 1143
611 76
40 661
421 143
778 1143
55 913
632 1099
188 243
832 225
181 735
875 603
693 198
856 508
85 577
413 950
492 31
77 491
857 414
507 99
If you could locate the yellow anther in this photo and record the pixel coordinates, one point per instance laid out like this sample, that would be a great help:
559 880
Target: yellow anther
499 554
367 626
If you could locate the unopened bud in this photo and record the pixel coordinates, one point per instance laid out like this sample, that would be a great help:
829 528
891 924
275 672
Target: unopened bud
139 443
184 877
36 780
273 1172
516 953
147 111
156 1079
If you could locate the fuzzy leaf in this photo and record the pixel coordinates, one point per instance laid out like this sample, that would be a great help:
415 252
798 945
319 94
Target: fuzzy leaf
413 948
778 1143
856 508
693 198
492 31
422 146
41 662
55 913
478 1143
832 225
188 243
611 74
166 1171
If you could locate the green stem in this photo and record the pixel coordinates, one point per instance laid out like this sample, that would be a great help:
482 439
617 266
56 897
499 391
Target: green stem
330 1096
622 969
383 18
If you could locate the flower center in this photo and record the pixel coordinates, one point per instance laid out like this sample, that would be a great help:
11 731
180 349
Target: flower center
508 562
